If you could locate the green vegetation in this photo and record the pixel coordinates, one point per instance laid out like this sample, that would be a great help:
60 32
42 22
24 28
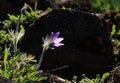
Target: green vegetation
17 66
95 80
100 5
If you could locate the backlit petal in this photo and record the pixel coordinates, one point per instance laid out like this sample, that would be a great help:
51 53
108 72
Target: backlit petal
58 40
58 44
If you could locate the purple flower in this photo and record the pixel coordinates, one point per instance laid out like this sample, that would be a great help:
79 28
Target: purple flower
53 40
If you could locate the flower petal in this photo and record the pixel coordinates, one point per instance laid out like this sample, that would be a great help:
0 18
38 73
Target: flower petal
58 44
58 40
54 36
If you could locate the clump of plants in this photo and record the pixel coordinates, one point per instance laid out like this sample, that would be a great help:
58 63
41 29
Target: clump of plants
19 68
98 79
104 79
115 34
27 17
100 5
15 66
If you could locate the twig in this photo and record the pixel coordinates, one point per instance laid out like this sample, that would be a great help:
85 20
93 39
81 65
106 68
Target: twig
59 68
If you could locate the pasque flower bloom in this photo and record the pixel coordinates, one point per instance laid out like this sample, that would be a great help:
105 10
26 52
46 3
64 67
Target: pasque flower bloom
48 42
53 40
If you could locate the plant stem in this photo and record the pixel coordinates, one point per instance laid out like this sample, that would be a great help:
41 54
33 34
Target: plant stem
18 22
41 59
17 30
15 49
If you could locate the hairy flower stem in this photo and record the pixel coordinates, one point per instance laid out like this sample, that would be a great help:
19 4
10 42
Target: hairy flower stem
17 29
15 49
41 58
18 22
